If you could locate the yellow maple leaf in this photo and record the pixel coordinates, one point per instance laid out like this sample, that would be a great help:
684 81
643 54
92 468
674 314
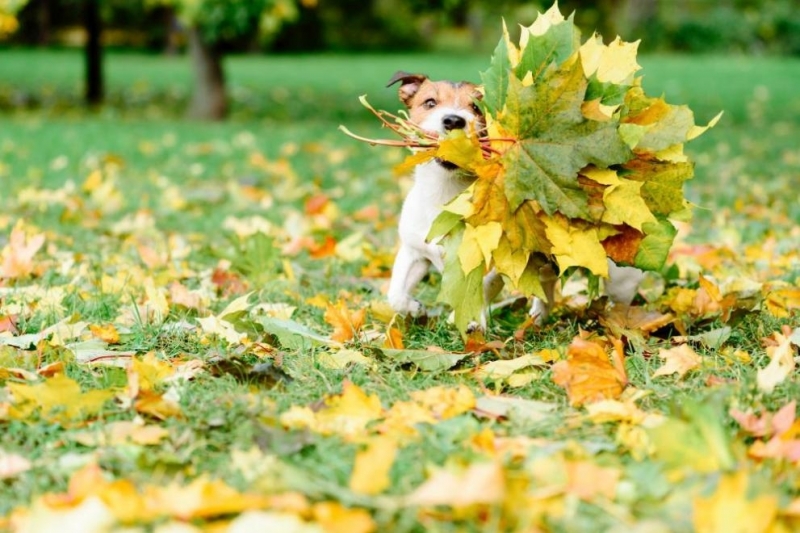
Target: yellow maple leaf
371 468
150 371
730 508
107 333
679 360
575 246
346 324
445 402
17 256
346 414
58 399
614 63
335 518
477 245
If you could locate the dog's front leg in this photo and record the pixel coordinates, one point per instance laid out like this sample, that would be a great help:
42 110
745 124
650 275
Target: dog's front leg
409 269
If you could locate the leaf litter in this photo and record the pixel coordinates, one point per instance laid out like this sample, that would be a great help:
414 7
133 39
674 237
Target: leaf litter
240 372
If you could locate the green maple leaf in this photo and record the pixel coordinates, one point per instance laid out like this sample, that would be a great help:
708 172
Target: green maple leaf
662 183
555 142
654 248
495 79
552 47
461 291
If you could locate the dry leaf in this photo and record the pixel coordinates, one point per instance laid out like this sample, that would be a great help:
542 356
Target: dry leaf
678 360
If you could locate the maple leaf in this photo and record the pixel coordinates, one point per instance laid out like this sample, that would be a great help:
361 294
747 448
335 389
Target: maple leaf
371 468
781 364
17 256
679 360
57 399
346 414
346 324
731 508
481 483
588 374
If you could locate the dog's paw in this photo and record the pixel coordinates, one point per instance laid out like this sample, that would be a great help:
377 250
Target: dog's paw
475 327
408 306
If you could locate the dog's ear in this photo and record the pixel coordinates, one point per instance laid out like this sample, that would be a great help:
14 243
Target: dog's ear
410 84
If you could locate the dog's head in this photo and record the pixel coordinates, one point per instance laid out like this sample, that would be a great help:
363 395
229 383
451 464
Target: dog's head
439 106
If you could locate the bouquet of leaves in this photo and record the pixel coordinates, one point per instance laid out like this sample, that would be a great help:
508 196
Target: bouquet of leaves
577 165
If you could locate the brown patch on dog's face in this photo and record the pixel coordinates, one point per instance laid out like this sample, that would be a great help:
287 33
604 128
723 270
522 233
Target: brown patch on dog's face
434 96
430 102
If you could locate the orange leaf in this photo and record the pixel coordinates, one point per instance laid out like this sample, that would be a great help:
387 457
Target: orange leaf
394 339
107 333
325 249
17 256
588 375
346 323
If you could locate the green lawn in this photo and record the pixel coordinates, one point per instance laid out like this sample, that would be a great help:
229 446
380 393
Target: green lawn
176 202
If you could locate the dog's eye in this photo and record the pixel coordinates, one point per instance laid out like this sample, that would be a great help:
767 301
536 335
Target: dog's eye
476 109
429 103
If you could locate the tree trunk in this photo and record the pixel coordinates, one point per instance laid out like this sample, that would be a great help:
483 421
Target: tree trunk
43 23
208 100
94 52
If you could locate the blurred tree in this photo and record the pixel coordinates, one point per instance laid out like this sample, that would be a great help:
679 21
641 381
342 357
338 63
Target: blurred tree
216 26
93 52
8 16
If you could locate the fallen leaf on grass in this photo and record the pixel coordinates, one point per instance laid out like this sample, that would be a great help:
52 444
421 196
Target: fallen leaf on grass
346 324
588 480
678 360
335 518
426 360
730 508
340 359
107 333
58 399
588 374
346 414
514 408
17 256
482 483
767 424
694 439
12 465
781 363
502 370
371 468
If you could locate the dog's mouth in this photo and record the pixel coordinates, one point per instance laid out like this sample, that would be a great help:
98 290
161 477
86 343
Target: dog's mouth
447 165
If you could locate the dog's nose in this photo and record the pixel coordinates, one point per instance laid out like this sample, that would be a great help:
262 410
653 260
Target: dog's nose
454 122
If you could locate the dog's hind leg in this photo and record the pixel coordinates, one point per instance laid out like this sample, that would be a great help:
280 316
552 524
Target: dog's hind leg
408 270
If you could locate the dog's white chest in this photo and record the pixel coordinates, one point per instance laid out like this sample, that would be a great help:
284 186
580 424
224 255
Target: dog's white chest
433 187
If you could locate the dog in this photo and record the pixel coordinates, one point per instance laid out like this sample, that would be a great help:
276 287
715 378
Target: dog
441 107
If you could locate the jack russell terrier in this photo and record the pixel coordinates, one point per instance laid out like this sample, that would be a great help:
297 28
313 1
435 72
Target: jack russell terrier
443 106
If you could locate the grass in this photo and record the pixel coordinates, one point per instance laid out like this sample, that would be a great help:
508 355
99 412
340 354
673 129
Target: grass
159 215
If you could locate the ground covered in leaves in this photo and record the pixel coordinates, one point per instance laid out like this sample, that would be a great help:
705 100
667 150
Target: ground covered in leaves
193 332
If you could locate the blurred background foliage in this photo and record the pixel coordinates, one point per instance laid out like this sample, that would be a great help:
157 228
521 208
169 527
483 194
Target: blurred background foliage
744 26
49 32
